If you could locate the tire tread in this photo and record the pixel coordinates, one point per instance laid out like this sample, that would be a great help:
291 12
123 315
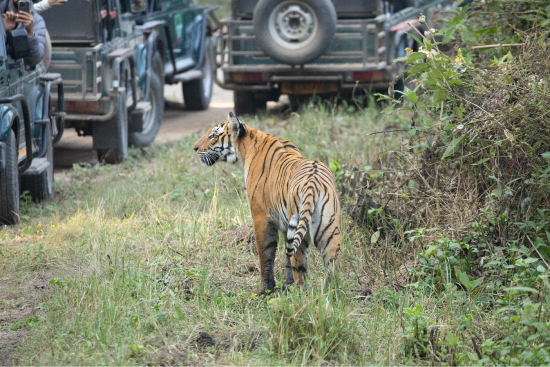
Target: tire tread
9 184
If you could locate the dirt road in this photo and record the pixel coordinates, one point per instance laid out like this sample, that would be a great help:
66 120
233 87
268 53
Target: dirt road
177 123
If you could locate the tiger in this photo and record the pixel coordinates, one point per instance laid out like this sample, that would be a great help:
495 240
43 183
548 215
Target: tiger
286 192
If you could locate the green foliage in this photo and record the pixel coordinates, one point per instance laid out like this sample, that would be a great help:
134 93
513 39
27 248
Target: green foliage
498 22
478 125
30 322
416 339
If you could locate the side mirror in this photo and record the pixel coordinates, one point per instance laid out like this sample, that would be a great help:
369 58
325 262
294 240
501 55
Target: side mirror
138 6
18 44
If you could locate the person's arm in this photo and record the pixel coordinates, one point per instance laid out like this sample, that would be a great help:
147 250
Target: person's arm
36 31
42 6
46 4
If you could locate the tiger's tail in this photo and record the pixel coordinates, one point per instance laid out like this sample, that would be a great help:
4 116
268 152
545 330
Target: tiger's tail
299 224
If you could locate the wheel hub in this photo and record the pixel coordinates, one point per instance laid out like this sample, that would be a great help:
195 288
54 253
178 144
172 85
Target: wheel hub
294 23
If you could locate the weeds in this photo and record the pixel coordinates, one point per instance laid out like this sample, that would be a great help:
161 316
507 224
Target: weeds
312 326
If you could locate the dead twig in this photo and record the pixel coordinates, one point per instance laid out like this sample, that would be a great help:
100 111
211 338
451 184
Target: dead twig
179 253
385 131
540 256
498 45
476 348
416 30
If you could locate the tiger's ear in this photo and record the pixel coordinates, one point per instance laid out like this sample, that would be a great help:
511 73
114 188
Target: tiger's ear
237 127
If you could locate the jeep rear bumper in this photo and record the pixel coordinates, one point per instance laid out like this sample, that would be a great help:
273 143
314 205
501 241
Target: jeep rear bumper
356 59
307 80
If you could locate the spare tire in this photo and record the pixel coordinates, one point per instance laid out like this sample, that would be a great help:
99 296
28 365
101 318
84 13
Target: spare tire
294 31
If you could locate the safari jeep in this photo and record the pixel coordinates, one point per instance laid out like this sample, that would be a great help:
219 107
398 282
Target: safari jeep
28 122
305 47
115 56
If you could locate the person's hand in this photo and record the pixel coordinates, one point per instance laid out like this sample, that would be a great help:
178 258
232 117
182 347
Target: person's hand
56 2
10 20
27 20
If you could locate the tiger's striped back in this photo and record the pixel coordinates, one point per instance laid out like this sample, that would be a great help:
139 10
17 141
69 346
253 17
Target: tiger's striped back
286 192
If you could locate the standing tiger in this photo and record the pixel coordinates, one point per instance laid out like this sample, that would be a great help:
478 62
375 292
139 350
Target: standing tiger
286 192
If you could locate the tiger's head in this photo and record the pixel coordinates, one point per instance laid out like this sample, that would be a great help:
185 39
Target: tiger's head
219 142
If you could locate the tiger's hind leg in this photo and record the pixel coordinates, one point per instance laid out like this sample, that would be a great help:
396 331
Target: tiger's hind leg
299 264
329 245
267 237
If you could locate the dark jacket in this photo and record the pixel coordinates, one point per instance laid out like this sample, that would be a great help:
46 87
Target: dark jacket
38 40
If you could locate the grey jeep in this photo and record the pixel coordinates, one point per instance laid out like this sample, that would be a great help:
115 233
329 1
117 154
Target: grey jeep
306 47
115 56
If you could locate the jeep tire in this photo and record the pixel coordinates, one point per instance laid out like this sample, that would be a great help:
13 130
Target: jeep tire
9 184
198 93
153 117
294 32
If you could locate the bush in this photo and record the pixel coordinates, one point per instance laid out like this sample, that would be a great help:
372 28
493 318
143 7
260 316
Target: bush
476 170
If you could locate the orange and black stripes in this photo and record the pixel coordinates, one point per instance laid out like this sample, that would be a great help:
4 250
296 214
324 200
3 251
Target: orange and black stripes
286 192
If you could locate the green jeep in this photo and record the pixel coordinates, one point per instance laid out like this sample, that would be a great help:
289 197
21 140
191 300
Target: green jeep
306 47
28 122
115 56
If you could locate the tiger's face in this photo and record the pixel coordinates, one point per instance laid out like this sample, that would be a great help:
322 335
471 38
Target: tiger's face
218 142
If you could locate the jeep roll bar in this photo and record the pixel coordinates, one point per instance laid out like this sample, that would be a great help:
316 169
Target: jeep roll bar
119 57
150 29
50 79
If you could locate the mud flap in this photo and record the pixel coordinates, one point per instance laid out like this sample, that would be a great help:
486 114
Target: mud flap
113 134
36 180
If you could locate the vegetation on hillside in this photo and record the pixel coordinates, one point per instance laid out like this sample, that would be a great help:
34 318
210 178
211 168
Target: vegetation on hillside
479 164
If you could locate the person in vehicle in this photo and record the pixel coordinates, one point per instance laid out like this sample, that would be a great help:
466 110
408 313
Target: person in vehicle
46 4
32 22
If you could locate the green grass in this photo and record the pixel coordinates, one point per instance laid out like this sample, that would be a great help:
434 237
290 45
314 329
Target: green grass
141 258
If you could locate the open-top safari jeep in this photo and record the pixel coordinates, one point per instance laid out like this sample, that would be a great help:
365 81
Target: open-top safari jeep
305 47
116 55
28 122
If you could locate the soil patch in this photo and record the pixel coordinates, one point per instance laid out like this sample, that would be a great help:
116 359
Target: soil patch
19 311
